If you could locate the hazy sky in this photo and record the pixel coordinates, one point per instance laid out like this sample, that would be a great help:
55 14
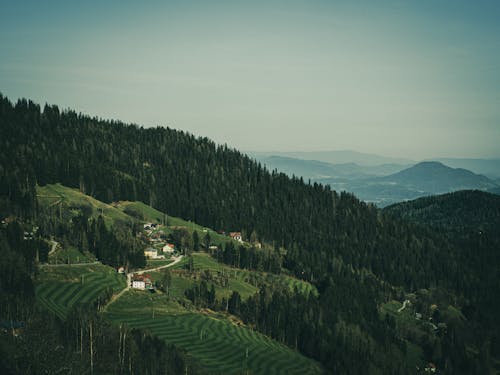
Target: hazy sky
403 78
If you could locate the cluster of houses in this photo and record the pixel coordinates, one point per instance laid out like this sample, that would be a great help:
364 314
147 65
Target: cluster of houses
159 248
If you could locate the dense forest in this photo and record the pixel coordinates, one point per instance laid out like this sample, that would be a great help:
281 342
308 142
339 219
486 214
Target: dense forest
357 256
470 220
50 345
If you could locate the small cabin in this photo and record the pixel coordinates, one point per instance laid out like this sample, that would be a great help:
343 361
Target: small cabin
236 236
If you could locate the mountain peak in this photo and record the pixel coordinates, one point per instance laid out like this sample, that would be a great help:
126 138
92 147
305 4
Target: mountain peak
436 177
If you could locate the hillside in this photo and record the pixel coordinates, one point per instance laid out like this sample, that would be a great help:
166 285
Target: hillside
487 167
63 289
435 178
460 211
69 201
356 258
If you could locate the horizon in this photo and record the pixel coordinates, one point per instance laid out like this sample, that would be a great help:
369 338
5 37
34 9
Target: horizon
416 81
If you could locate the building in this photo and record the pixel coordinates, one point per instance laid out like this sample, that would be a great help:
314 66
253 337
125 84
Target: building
142 282
121 270
168 248
151 253
236 236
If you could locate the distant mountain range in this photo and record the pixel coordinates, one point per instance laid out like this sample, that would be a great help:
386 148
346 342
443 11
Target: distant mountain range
488 167
337 157
314 169
385 184
422 179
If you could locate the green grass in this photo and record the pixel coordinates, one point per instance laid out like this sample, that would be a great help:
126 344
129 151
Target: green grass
217 343
70 255
152 263
149 214
246 281
58 196
60 287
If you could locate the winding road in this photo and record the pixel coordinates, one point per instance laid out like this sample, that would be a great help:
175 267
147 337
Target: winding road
130 274
406 302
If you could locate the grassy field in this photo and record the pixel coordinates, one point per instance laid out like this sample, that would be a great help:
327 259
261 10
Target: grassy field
59 288
221 346
68 199
152 263
245 281
149 214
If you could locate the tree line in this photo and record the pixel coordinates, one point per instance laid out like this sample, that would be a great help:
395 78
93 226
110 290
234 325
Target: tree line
324 234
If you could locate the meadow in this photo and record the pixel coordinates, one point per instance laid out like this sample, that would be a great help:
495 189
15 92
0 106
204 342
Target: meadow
220 345
62 287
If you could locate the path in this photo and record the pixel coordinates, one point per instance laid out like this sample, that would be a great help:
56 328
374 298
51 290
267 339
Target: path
406 302
129 279
54 246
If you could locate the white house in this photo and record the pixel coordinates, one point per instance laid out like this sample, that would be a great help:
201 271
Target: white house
151 253
168 248
138 284
141 282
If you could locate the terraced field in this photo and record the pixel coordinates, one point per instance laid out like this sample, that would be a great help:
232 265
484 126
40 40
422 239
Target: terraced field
244 281
62 287
221 346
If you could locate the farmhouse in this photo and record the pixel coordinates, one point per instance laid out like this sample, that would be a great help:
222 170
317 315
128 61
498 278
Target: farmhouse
150 253
236 236
147 226
141 282
168 248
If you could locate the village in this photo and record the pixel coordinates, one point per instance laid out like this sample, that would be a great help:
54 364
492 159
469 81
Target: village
163 253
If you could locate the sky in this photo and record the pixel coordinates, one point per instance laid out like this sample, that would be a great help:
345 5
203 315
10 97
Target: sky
413 79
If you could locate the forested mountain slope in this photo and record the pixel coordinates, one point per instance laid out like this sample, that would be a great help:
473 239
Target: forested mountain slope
357 257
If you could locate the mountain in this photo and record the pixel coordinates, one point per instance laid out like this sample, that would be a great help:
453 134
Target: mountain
364 264
382 184
337 157
434 178
488 167
314 169
422 179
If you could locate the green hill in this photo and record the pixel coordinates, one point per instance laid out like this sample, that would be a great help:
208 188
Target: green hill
60 287
68 202
145 213
245 281
220 345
